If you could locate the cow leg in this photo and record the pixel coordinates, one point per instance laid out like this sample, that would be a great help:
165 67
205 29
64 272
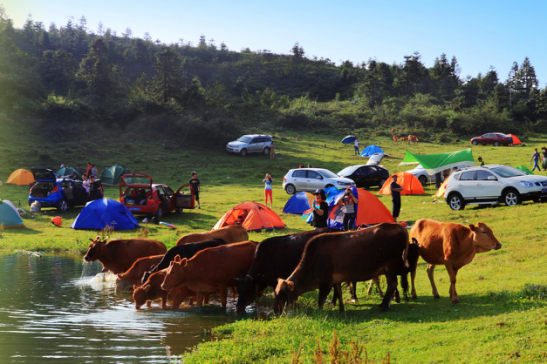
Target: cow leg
223 295
430 271
452 273
148 303
375 280
338 290
413 292
390 291
353 291
234 291
164 300
205 298
199 299
324 290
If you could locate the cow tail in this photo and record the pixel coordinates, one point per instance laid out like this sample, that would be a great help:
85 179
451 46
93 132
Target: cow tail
405 252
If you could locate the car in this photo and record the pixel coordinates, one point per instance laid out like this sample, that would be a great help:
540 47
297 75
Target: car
143 197
60 193
421 174
495 139
252 143
365 175
311 179
495 183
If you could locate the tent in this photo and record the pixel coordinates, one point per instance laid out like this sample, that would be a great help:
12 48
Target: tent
348 139
370 150
256 217
434 163
111 175
298 203
410 184
9 217
331 193
98 214
442 189
21 177
516 140
67 172
524 169
370 210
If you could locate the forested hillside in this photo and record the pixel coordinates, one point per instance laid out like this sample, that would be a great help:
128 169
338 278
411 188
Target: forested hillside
71 75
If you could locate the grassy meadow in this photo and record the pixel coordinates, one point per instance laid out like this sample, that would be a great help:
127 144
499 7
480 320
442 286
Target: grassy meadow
502 315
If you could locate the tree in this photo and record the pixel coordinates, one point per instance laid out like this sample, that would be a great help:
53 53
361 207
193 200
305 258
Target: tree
95 71
168 81
444 76
527 76
57 69
413 76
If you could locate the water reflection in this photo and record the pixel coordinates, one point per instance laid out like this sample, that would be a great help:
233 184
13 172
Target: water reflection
49 315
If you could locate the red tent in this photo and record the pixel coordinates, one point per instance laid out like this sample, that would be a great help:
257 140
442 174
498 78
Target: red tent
370 210
409 183
255 217
516 140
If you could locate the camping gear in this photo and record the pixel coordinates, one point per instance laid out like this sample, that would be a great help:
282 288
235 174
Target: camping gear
9 217
524 169
371 150
370 210
111 175
410 184
516 140
298 203
168 225
68 172
256 216
102 213
434 163
35 206
21 177
57 221
348 139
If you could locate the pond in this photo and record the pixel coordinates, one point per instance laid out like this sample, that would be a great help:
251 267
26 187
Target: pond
52 313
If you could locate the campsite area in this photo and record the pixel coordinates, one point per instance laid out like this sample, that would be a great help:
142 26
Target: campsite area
501 315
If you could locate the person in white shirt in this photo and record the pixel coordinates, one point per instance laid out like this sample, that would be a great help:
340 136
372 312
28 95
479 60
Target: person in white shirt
85 183
356 146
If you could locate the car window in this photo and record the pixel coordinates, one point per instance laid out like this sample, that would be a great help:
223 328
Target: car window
467 176
168 191
347 171
313 174
299 174
483 175
507 172
244 139
328 174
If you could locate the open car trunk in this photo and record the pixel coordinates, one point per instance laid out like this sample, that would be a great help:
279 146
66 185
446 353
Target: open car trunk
137 196
42 189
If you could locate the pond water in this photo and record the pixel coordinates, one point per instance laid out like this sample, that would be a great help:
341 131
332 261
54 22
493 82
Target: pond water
52 313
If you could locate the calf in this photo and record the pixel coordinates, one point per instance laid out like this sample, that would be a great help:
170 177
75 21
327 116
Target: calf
413 139
212 269
118 256
452 245
230 234
134 274
330 259
151 290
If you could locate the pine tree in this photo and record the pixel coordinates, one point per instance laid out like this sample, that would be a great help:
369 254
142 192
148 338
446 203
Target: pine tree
168 81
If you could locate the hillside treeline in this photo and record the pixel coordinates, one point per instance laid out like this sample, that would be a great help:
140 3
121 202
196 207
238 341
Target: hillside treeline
71 75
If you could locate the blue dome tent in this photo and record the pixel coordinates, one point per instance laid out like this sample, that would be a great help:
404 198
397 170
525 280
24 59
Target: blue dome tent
98 214
370 150
298 203
9 217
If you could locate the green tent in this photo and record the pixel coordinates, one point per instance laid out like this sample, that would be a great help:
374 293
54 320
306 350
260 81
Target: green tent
9 217
524 169
111 175
67 172
434 163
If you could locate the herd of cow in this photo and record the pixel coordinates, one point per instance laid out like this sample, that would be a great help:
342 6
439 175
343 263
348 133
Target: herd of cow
213 261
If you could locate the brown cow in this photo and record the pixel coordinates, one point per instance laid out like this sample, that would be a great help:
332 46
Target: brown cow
212 269
118 256
134 274
330 259
230 234
395 138
413 139
403 139
452 245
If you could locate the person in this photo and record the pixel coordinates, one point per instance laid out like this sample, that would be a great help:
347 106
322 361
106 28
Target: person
356 146
86 183
63 165
535 158
240 220
544 151
94 172
309 165
481 162
320 210
88 170
268 189
195 185
438 178
350 209
80 169
272 150
300 166
395 197
95 189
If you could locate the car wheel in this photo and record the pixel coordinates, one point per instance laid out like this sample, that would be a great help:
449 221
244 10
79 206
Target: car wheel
63 206
422 179
266 151
243 152
496 144
158 216
179 211
290 189
511 197
455 201
475 142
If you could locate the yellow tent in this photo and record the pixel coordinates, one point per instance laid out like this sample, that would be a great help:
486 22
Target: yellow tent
440 191
21 177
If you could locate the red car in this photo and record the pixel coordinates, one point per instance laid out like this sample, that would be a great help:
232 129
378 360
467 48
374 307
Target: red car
142 197
495 139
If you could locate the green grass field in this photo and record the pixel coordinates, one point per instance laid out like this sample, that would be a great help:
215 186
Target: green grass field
500 318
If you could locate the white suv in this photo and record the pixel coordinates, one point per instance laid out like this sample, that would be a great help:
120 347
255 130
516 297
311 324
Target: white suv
493 183
252 143
310 179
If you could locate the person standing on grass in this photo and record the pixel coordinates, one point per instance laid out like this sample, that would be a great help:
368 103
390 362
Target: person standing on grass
95 189
95 172
395 197
272 151
320 210
268 189
85 183
195 185
356 146
535 158
350 209
544 152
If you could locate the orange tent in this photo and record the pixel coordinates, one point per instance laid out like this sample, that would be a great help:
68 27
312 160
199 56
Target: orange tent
516 140
21 177
409 183
255 217
370 210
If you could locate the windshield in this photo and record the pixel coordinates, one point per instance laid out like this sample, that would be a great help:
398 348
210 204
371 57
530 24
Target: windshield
244 139
348 171
507 172
137 180
328 174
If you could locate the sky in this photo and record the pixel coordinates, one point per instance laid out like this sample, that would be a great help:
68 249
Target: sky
480 33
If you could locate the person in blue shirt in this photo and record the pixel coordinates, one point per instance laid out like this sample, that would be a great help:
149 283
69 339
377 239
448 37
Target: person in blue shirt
535 158
268 189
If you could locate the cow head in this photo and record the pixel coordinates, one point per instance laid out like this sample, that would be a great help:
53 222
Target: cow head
285 295
175 273
95 249
484 238
140 295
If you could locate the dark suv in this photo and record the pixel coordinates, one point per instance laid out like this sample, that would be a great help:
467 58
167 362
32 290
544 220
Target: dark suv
366 175
495 139
253 143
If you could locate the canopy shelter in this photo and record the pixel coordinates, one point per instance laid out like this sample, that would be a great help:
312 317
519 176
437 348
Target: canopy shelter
298 203
516 140
21 177
410 184
68 172
370 150
9 217
370 210
524 169
111 175
255 217
99 214
349 139
434 163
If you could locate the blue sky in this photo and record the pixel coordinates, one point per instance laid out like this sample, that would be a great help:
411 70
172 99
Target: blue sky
480 33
